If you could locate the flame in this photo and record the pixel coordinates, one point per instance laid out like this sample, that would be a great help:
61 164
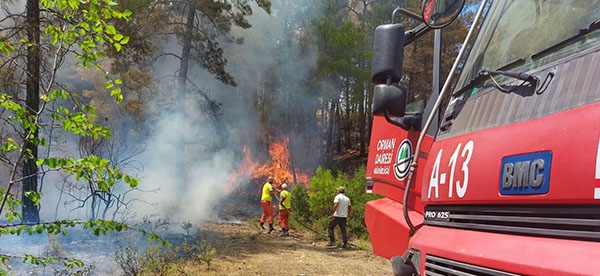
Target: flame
279 167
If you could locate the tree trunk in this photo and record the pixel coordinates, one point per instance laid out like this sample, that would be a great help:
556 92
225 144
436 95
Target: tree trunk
30 211
369 111
362 120
337 125
330 128
182 90
348 124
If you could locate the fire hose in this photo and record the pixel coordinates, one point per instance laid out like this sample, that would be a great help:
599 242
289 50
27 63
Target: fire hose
301 223
298 221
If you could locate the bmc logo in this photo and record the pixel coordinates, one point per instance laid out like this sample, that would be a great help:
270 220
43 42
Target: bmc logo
527 174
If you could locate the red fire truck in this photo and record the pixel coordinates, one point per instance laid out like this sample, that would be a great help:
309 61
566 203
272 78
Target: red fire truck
505 179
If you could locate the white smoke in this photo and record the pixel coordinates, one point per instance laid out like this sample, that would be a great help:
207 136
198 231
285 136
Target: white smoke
206 175
192 192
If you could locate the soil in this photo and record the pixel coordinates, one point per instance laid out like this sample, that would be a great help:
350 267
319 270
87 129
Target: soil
245 249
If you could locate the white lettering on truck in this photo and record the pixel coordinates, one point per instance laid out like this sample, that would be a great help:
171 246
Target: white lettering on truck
386 144
456 182
384 156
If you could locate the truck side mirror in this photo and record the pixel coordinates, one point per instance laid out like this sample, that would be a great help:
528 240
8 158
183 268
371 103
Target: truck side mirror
388 51
440 13
390 99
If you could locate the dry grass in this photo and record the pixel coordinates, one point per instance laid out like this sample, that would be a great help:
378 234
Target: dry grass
245 249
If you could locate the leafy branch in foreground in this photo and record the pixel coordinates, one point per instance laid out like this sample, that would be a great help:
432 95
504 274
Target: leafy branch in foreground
95 226
32 100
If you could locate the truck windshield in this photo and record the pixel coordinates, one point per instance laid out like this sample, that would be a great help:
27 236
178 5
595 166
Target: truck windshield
521 35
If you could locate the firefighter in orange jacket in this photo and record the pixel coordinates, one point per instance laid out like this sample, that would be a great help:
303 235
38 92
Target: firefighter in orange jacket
266 201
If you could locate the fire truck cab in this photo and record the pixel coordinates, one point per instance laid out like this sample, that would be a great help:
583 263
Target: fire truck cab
505 180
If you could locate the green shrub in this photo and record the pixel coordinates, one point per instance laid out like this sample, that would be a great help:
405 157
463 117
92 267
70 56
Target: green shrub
323 189
300 206
355 190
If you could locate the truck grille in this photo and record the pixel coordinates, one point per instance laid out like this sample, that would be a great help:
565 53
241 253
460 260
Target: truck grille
577 222
437 266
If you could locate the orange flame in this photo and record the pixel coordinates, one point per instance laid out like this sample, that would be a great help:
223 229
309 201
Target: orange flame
279 167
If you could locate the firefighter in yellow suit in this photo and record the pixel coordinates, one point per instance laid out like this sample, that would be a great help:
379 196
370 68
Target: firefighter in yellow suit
266 201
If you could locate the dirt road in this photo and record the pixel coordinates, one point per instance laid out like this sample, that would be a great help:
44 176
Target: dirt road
245 249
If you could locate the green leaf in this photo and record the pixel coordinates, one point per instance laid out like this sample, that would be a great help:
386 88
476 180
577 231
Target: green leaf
73 263
111 30
85 26
97 28
73 4
51 162
124 41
